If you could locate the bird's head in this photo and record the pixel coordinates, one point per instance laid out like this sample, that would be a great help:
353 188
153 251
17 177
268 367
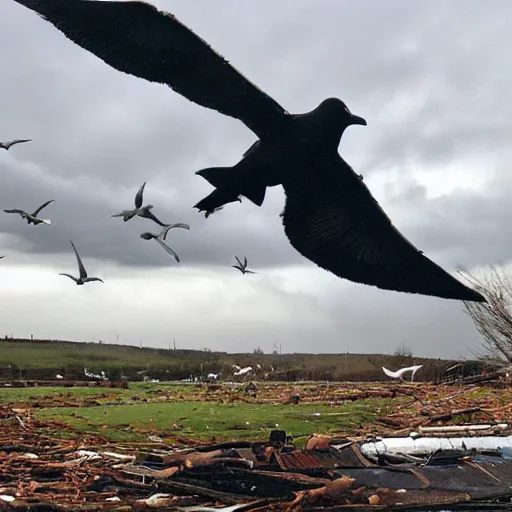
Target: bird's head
147 236
340 114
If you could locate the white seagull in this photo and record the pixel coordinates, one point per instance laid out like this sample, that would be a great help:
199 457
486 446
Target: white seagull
243 371
8 144
32 218
160 237
81 270
139 210
399 373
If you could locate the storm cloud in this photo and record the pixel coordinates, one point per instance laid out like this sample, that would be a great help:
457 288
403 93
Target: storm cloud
433 82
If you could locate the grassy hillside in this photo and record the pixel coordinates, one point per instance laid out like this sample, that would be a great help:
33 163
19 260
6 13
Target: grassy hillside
41 359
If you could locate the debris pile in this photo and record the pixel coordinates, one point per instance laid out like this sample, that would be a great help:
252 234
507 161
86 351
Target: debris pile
38 472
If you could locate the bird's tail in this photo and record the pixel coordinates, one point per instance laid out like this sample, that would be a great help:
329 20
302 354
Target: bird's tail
231 178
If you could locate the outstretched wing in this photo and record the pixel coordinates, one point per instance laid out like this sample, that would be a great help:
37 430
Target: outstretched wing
332 219
163 234
389 373
42 206
168 249
70 276
81 268
10 143
21 212
138 39
139 196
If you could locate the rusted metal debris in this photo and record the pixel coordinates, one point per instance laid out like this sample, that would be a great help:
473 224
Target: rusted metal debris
38 472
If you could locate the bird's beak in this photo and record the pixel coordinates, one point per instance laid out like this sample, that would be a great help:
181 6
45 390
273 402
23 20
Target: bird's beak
358 120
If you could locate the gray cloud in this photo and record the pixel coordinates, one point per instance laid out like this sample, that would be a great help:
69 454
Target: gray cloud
432 81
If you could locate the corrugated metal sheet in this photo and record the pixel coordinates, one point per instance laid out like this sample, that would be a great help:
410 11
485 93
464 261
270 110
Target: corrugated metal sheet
298 460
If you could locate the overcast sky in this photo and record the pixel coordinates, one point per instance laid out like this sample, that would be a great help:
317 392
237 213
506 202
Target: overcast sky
432 79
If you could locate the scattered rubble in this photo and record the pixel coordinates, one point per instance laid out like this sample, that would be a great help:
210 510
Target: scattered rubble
38 472
441 446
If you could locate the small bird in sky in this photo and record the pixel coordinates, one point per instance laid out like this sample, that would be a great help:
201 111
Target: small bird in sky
8 144
160 237
242 266
81 270
139 210
32 218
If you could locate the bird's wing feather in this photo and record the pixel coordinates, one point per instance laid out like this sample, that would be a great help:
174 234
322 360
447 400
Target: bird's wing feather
21 212
389 373
91 279
163 234
168 249
10 143
245 261
239 262
41 207
138 39
81 268
139 196
332 219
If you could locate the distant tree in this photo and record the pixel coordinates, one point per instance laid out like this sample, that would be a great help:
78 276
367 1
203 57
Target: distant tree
403 351
493 319
258 351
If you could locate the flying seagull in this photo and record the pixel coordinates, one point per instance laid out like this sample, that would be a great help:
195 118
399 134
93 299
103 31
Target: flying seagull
399 373
82 279
139 210
32 218
7 145
160 237
330 216
242 266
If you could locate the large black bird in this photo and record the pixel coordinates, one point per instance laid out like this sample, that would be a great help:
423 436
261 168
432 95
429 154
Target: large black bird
330 215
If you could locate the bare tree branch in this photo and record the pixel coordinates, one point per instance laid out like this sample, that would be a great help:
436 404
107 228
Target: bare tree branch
493 319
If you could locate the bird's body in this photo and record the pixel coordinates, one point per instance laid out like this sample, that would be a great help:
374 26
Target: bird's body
82 277
140 210
242 266
160 238
399 374
32 218
8 144
330 216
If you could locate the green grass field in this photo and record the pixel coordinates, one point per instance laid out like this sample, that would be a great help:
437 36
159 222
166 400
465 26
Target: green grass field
145 410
